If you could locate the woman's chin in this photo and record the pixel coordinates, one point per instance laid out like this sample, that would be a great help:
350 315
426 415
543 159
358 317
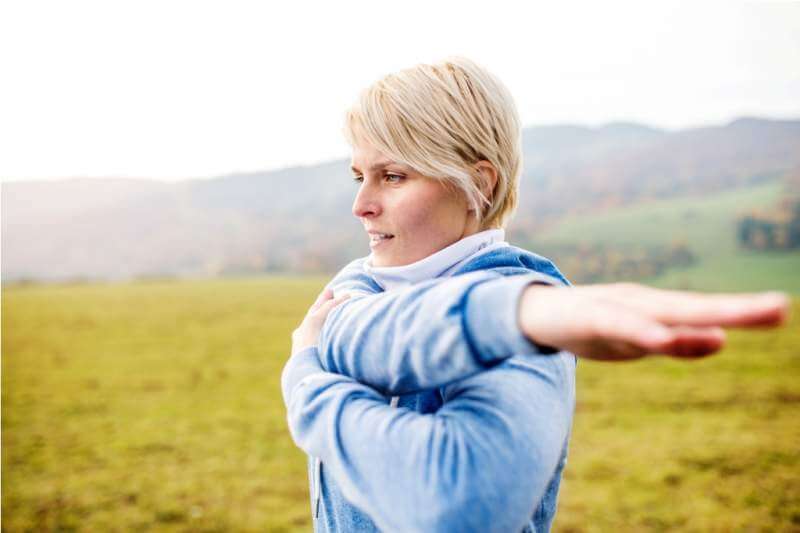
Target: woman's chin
383 254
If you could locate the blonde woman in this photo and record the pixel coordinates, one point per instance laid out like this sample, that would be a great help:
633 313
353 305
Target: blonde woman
432 383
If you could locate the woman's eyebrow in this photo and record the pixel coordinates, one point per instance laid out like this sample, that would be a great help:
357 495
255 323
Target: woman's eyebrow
376 166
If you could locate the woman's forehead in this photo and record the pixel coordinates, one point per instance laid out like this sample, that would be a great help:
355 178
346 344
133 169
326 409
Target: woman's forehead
372 166
369 159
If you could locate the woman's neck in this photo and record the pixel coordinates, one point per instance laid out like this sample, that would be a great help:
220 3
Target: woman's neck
440 263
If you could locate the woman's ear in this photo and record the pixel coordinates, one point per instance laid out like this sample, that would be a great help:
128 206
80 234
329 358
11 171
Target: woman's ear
488 176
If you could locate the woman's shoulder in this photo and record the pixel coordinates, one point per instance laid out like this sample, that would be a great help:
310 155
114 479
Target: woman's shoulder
513 260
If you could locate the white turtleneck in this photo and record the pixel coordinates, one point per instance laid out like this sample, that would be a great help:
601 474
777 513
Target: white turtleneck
441 263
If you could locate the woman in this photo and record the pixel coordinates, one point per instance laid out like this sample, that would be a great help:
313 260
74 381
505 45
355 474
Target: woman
435 392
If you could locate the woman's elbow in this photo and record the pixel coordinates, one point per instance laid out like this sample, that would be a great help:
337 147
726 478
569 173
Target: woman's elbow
499 493
482 511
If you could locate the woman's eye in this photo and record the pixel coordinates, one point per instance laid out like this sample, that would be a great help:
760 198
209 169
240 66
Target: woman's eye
394 178
359 179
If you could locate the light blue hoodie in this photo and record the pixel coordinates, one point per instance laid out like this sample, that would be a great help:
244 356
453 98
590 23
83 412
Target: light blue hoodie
478 439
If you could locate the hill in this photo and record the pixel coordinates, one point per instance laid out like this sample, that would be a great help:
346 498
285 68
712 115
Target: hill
704 225
298 219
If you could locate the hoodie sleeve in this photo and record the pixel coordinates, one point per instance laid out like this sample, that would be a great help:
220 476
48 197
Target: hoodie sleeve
482 462
426 335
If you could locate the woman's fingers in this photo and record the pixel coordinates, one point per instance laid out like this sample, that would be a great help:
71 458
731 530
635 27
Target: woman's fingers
757 310
624 342
618 324
324 296
704 310
691 342
329 304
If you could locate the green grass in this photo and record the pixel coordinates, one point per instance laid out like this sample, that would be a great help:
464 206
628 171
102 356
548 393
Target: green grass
157 406
706 225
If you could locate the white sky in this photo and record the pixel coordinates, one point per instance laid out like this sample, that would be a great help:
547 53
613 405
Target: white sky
170 90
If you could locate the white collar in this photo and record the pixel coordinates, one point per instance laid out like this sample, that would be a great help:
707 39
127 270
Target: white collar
441 263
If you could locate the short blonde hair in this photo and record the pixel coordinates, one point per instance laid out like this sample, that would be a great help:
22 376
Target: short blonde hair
441 119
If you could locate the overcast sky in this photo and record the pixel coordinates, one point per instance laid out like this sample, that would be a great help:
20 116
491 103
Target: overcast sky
175 90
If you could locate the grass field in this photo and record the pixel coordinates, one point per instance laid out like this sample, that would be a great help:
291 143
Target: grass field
708 227
129 407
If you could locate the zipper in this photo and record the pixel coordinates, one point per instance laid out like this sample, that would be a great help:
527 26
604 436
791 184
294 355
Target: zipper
317 471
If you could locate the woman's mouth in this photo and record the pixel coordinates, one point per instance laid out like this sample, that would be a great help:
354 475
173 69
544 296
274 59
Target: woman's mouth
376 239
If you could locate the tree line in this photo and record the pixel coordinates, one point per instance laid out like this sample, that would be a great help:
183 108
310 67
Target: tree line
777 228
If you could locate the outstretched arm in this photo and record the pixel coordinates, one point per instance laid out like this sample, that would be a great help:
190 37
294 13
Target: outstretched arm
443 330
480 463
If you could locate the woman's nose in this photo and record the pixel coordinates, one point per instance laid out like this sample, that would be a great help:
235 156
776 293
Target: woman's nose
366 203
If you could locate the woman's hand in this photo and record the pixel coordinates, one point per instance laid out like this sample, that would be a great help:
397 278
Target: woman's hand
624 321
307 333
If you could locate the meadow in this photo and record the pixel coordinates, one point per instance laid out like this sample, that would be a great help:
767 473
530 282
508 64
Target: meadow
156 406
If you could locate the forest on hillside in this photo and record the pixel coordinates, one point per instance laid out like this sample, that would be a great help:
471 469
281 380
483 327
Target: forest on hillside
777 227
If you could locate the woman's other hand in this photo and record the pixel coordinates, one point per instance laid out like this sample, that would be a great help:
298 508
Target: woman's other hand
307 333
624 321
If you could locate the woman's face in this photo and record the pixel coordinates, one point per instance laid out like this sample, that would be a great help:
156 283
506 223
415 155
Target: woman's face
407 215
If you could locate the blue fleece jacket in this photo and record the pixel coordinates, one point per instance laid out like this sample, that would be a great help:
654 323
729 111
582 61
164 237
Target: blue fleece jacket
479 437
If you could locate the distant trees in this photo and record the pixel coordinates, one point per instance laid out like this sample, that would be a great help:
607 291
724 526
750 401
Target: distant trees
592 263
777 228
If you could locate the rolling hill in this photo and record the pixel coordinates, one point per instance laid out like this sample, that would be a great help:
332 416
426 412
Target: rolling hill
298 220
